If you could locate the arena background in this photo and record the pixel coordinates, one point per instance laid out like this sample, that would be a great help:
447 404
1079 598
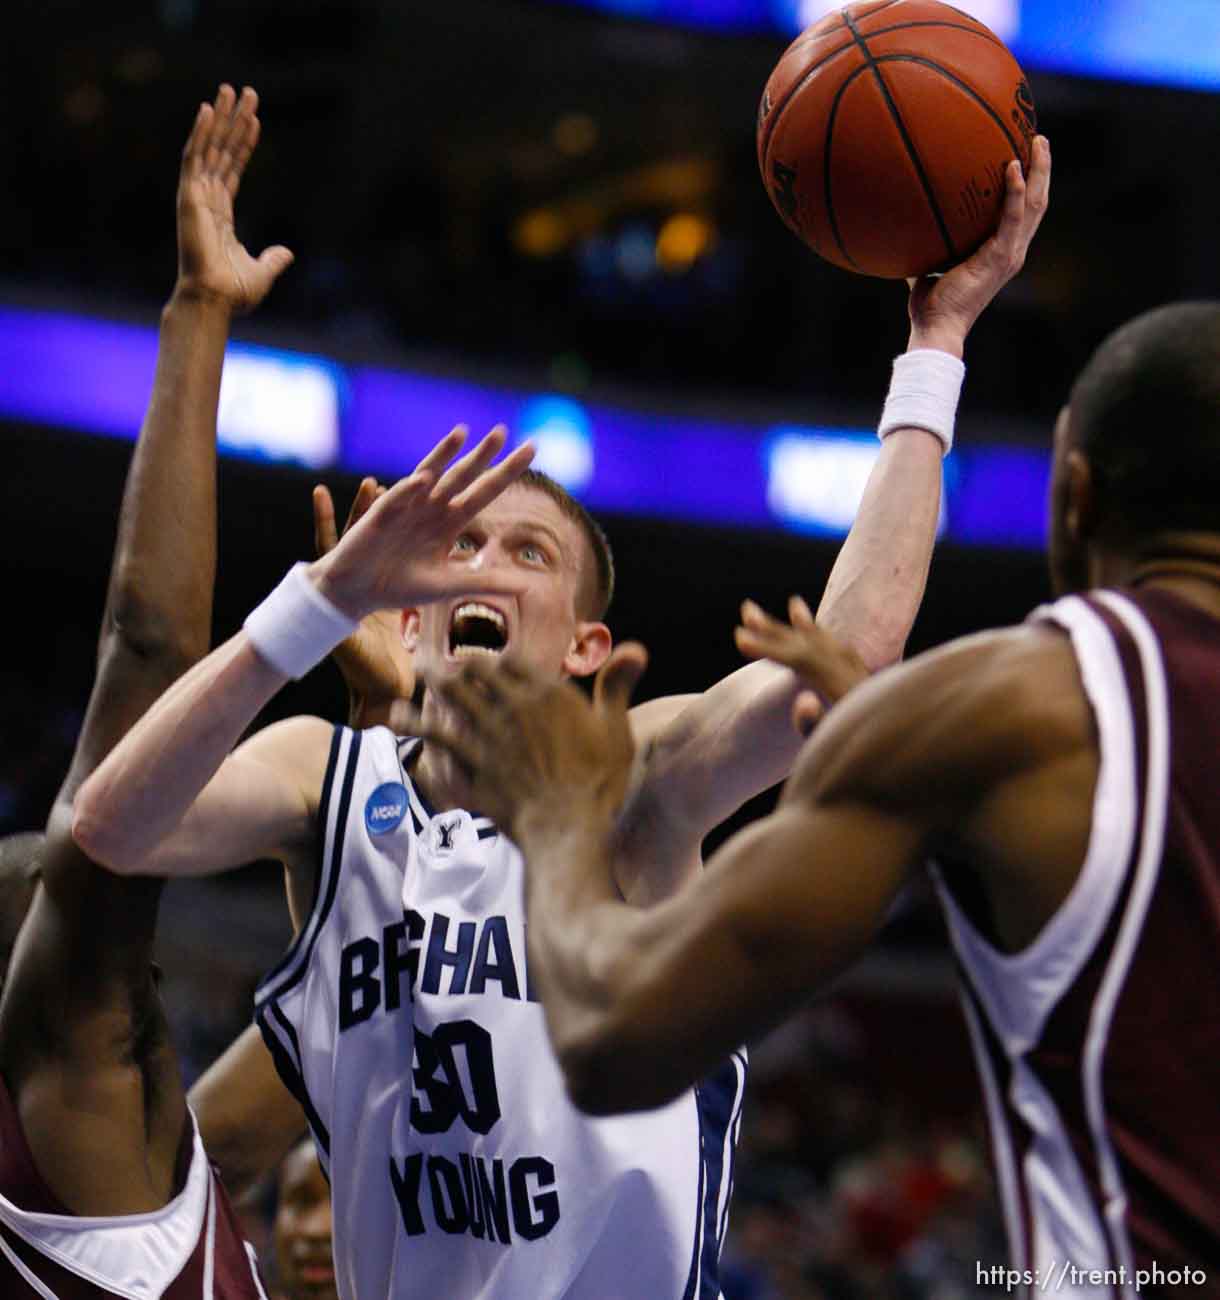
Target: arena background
480 191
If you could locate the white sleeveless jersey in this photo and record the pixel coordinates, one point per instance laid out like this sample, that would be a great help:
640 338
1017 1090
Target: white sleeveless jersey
404 1020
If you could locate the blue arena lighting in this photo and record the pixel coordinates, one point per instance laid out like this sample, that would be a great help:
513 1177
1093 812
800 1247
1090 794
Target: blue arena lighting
1175 44
94 376
563 434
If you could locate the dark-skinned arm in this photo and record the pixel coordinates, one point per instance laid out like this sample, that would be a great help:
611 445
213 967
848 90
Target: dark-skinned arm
954 747
81 1032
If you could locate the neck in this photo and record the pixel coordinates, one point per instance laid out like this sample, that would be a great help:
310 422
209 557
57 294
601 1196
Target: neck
1187 564
438 778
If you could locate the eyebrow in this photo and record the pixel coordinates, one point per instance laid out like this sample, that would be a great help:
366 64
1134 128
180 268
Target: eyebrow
546 530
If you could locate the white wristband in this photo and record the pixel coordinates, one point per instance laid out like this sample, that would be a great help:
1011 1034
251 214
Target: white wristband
923 394
296 627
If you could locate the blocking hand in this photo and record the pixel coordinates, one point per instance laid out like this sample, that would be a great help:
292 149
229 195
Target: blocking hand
824 664
398 554
542 757
375 664
212 262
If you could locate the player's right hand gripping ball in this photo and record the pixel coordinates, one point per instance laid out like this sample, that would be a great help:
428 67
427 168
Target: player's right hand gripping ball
884 133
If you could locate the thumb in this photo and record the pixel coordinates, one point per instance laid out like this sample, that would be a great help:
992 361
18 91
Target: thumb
618 676
807 712
276 260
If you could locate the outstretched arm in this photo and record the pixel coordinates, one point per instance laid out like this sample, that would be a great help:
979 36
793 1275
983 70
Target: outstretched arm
170 774
80 1031
953 748
735 740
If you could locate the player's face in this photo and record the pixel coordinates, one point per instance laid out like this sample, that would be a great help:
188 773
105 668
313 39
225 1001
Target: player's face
533 559
302 1229
1065 549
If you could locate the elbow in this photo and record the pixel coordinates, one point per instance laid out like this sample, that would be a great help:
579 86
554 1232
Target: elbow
603 1076
96 835
149 633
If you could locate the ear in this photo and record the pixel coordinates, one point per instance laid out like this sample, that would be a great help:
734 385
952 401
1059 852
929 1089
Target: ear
1080 506
409 629
591 644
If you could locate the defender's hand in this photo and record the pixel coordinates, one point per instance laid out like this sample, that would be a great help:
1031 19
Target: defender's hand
540 755
824 664
400 553
943 309
213 264
375 664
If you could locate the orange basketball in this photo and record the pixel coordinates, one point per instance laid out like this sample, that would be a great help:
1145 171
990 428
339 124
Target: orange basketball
884 133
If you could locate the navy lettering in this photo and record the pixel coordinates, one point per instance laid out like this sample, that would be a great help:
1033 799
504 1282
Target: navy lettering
495 1198
546 1204
397 960
494 959
458 959
359 988
454 1217
406 1192
478 1216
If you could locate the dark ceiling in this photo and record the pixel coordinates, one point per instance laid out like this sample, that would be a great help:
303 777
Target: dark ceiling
415 153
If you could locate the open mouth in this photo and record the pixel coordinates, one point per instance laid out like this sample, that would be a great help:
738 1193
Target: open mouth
477 629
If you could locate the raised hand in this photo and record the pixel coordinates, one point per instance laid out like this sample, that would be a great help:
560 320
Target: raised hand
374 662
823 663
212 262
943 309
531 744
398 555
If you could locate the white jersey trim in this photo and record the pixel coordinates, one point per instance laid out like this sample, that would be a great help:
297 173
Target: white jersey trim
1147 871
1001 1138
150 1250
1020 990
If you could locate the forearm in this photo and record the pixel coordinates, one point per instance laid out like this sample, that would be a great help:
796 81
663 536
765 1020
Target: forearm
160 597
877 583
144 787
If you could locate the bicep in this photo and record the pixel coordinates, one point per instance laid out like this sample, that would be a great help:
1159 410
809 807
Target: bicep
260 803
783 906
248 1119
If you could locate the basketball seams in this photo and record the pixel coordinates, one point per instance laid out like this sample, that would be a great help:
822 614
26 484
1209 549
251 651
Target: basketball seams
778 110
938 22
965 86
912 152
827 146
794 89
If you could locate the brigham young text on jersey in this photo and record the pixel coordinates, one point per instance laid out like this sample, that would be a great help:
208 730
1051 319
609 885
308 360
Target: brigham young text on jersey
414 958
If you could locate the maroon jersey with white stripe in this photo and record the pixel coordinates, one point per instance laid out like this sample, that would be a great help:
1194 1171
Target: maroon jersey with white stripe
1099 1044
191 1249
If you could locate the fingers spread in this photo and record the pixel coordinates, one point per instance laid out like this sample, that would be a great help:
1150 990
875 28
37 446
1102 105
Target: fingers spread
444 451
463 472
799 613
366 494
488 486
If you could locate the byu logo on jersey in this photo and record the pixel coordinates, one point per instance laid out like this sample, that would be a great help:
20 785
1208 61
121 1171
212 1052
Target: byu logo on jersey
445 832
386 808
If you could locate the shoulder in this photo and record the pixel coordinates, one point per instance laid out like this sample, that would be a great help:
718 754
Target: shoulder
952 721
649 719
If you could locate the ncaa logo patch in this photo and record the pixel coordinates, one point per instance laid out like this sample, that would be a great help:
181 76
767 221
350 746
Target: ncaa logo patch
386 808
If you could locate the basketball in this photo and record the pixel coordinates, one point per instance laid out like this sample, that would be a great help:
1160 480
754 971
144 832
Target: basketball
885 131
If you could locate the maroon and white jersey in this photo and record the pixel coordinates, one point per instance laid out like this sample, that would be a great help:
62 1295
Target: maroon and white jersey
1099 1044
192 1249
